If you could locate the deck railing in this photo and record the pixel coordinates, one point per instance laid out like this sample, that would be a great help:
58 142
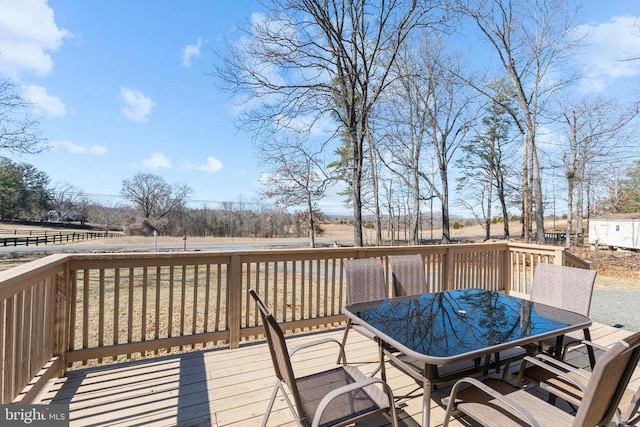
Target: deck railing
68 310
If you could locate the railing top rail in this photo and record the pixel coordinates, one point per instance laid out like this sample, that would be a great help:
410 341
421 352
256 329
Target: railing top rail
88 260
25 274
534 247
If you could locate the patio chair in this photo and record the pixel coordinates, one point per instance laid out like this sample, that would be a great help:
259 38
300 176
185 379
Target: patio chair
338 396
365 280
568 382
408 274
567 288
494 402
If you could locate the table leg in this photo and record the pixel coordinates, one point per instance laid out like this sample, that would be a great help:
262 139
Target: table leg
557 352
426 394
383 371
590 352
426 403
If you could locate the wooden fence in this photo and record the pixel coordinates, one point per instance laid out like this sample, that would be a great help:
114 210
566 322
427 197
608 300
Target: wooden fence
68 310
52 237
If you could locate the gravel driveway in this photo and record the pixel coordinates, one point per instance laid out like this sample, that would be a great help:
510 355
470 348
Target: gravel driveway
615 307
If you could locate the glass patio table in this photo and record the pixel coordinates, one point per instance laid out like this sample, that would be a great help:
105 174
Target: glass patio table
443 328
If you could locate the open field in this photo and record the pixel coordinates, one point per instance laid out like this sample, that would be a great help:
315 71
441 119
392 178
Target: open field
616 269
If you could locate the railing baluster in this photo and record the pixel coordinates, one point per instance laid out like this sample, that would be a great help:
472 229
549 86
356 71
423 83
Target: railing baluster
101 310
183 299
143 314
156 317
194 313
170 311
130 308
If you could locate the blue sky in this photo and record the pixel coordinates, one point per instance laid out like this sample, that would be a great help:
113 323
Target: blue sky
123 87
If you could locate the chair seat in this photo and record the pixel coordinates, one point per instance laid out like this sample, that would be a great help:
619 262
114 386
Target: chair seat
557 385
445 373
564 389
497 403
493 412
314 387
453 371
339 396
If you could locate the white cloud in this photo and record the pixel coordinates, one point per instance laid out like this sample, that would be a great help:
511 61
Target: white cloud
28 33
72 148
156 161
43 102
137 107
610 44
212 165
191 51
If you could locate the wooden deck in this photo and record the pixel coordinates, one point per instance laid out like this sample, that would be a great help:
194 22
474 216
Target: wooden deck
222 387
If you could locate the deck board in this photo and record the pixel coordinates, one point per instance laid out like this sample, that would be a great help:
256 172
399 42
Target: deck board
223 387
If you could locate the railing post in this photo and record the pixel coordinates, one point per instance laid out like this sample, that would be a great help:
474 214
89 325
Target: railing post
62 316
234 285
558 256
447 271
507 269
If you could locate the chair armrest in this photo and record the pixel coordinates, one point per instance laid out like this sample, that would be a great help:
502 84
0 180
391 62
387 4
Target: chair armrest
491 392
358 385
319 342
546 364
594 345
563 365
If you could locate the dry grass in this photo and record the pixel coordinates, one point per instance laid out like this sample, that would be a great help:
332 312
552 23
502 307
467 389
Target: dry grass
616 269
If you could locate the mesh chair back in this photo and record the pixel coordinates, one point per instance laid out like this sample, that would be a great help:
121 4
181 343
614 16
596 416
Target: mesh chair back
365 280
408 274
568 288
608 382
279 351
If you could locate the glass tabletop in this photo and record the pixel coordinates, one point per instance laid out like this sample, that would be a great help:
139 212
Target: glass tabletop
453 323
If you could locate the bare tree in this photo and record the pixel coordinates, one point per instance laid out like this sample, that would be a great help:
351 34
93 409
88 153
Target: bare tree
296 178
108 215
532 40
430 107
19 132
307 60
405 120
154 196
444 113
486 165
64 198
596 135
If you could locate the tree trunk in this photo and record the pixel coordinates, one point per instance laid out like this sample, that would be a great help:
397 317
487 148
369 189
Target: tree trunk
526 208
503 206
356 188
490 190
374 181
446 234
311 224
579 210
537 192
570 189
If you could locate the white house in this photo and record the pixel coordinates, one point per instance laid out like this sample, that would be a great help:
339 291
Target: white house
615 231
